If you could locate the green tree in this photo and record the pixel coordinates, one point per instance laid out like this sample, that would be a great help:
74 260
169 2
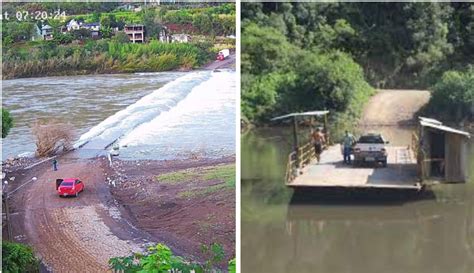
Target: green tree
95 17
264 50
397 44
7 122
152 23
106 32
121 37
108 20
18 258
453 95
204 22
17 31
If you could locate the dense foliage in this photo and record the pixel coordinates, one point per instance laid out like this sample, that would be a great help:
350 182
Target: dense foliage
280 77
161 259
397 44
307 56
102 56
25 54
217 20
18 258
453 95
7 122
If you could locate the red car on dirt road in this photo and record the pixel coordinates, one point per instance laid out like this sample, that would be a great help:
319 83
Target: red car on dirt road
69 186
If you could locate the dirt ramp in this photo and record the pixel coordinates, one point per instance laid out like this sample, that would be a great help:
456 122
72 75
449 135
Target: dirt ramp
394 107
76 234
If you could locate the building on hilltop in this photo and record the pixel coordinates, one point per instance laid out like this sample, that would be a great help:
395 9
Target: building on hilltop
47 32
94 28
73 25
136 33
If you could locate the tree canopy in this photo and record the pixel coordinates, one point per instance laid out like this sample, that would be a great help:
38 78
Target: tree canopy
397 44
308 56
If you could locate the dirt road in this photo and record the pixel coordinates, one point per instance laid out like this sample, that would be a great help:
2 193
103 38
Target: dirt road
228 63
392 113
75 234
122 210
393 107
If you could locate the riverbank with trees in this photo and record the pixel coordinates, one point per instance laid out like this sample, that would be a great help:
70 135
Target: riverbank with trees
331 56
26 53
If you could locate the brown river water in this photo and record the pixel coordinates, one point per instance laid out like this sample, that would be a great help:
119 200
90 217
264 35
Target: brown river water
165 115
287 231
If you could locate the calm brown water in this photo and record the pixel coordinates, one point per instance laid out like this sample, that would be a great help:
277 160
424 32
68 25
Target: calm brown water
283 231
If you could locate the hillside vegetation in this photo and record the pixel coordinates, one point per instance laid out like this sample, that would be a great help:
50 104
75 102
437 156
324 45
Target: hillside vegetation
308 56
77 52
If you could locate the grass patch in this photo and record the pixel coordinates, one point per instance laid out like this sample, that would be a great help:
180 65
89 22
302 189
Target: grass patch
203 191
176 177
222 173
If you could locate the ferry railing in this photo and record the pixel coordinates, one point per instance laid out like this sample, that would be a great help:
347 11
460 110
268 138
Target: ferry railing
291 168
297 161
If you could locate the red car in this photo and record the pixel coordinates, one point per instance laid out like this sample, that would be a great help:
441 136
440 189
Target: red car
69 186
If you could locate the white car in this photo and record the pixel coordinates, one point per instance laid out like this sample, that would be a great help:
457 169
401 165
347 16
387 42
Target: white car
370 148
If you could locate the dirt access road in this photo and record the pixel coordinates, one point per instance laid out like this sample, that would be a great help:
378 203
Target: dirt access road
74 234
228 63
392 113
393 107
123 209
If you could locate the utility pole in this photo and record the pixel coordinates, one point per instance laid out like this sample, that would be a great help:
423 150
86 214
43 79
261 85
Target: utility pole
7 210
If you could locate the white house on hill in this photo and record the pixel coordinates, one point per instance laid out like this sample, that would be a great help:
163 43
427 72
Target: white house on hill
73 25
47 32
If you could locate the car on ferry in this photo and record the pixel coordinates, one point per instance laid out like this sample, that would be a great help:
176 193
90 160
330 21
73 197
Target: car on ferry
370 148
69 187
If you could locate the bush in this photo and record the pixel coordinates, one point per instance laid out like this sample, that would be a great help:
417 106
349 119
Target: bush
453 95
61 38
52 137
161 259
121 37
7 122
18 258
328 81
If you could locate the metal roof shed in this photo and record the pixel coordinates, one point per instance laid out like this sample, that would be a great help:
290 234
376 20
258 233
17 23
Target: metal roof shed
442 152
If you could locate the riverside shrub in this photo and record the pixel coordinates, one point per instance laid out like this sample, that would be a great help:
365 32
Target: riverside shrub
279 77
453 95
103 56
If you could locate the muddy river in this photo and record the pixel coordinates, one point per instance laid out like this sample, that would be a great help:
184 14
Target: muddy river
283 231
166 115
